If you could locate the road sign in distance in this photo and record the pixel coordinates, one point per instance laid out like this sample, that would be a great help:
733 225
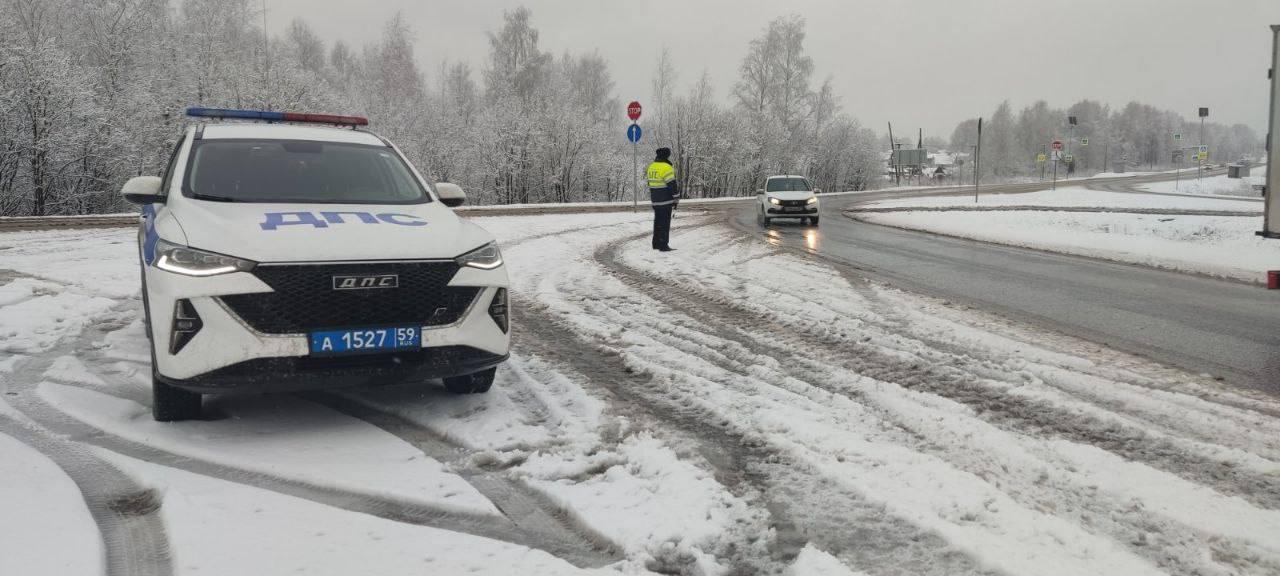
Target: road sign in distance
633 133
1068 158
1040 158
1057 145
1084 141
1204 148
1177 136
1204 112
633 111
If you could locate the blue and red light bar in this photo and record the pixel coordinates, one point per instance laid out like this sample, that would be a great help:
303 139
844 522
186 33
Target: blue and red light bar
270 116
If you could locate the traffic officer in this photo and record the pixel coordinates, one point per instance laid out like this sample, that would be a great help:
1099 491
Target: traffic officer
663 194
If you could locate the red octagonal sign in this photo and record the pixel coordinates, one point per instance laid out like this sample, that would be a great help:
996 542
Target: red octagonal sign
633 111
1057 145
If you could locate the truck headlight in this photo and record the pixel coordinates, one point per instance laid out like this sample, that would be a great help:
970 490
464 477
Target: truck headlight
775 201
486 257
189 261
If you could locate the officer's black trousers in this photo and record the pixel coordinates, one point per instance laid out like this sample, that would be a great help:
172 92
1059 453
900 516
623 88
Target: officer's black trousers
661 226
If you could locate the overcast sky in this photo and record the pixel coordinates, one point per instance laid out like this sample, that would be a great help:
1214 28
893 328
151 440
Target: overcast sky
918 63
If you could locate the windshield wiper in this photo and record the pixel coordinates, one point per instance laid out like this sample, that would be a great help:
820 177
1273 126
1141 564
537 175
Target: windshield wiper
212 198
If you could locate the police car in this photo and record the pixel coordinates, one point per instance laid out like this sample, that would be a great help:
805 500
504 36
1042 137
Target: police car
787 197
287 251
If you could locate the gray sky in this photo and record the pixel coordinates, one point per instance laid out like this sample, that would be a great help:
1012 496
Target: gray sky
918 63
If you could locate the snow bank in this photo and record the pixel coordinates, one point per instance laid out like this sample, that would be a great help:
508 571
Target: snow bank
1211 186
1222 246
45 527
1225 247
1075 196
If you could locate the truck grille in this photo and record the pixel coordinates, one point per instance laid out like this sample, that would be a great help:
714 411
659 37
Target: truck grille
305 299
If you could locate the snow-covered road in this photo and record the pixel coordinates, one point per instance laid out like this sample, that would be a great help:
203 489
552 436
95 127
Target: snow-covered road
730 407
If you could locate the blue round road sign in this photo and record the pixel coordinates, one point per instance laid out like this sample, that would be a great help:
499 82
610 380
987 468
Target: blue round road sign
633 133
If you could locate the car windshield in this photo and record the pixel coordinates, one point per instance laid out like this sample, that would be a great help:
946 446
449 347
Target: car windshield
299 171
787 185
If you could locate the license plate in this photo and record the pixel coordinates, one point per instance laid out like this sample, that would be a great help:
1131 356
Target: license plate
790 209
366 340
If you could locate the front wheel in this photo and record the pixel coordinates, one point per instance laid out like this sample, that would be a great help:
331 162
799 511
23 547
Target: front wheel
813 221
477 383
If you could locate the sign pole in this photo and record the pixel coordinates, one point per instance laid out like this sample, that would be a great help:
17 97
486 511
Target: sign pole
633 134
1271 207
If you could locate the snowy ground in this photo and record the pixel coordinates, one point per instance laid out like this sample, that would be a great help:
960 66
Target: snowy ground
1212 236
1212 185
696 412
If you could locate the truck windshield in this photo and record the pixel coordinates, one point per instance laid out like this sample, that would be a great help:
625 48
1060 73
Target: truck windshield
787 185
298 171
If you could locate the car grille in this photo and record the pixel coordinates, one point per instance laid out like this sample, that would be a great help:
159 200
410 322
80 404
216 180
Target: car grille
793 203
305 299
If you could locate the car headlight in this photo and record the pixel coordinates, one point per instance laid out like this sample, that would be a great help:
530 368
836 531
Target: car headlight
189 261
775 201
486 257
813 200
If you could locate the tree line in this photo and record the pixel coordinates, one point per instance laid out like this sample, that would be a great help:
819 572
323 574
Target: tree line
92 93
1138 135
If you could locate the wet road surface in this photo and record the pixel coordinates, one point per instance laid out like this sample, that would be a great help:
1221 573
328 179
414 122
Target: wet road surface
1227 329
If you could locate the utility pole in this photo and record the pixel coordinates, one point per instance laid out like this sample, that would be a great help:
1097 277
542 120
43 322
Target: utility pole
893 157
977 162
1200 155
1071 136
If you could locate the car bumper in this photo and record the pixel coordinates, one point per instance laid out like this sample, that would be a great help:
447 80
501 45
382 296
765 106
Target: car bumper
297 373
802 213
227 354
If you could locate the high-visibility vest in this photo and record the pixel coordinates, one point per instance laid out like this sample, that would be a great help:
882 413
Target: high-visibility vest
660 174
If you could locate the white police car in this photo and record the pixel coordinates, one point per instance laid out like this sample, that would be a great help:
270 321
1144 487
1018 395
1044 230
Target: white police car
294 251
787 197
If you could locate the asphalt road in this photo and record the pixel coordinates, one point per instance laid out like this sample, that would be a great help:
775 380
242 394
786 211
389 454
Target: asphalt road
1227 329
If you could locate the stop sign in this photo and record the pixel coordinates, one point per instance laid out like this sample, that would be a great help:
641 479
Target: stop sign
1057 145
633 111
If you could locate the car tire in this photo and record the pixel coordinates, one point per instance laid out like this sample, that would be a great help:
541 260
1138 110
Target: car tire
169 404
813 221
477 383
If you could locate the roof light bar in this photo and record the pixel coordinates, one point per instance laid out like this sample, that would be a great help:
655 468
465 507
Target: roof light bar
270 116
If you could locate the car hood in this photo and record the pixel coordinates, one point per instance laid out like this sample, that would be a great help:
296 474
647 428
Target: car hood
790 195
329 232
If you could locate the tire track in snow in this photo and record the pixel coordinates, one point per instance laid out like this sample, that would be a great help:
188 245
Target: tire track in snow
539 522
745 464
738 326
126 513
1032 416
28 402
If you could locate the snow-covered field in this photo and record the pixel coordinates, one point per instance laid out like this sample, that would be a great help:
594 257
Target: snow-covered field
729 408
1205 235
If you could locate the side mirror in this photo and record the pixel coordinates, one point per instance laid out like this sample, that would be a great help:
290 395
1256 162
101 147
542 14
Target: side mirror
142 190
451 194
